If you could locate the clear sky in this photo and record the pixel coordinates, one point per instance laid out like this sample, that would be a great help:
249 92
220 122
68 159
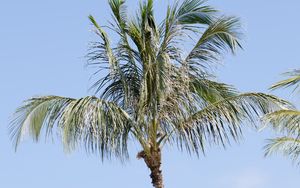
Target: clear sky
42 44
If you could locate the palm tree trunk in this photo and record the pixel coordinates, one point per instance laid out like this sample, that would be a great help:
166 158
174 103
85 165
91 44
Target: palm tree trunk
153 162
156 176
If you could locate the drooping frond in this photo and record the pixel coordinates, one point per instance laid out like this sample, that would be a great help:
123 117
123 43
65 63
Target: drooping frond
293 80
98 125
220 121
287 146
284 121
222 35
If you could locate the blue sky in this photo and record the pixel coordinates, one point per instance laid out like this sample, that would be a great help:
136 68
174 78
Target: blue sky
42 44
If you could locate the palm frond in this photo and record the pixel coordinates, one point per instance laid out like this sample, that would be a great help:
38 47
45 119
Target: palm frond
287 146
284 121
125 51
98 125
222 35
181 19
293 80
121 82
194 12
222 120
103 51
118 8
211 91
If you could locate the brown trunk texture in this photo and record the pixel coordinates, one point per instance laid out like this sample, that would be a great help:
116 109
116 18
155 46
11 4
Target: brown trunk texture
154 163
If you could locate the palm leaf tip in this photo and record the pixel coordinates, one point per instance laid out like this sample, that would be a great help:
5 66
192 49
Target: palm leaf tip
292 80
195 12
29 118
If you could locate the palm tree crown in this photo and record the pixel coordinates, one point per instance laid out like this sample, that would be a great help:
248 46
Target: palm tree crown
149 91
286 121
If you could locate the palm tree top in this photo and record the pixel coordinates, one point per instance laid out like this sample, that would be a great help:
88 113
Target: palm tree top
148 90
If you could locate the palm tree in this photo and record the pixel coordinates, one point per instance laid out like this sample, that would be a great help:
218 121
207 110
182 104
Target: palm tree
148 91
286 121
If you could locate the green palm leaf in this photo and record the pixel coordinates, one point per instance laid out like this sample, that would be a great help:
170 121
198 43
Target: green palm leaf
286 122
97 124
220 121
293 80
221 35
287 146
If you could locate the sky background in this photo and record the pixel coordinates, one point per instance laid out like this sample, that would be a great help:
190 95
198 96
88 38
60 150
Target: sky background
42 48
